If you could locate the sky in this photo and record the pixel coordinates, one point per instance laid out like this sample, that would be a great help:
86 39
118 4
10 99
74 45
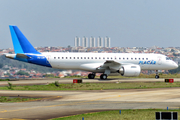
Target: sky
129 23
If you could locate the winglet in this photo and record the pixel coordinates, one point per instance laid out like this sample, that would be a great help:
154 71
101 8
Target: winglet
20 42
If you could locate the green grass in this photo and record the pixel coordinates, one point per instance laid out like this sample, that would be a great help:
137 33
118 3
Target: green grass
17 99
138 114
4 79
95 86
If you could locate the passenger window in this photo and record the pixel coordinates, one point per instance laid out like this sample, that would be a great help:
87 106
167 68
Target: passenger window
131 58
84 57
139 58
142 58
91 57
123 58
135 58
146 58
88 57
95 57
107 57
81 57
99 57
103 57
77 57
127 58
62 57
111 58
115 58
119 58
74 57
54 57
69 57
66 57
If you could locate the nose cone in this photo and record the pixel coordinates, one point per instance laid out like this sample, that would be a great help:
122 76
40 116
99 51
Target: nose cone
175 65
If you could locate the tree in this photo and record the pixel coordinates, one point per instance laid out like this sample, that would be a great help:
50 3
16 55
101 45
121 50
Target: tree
1 65
22 73
172 50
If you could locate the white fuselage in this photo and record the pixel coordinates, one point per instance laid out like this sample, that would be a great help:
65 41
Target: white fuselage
91 61
127 64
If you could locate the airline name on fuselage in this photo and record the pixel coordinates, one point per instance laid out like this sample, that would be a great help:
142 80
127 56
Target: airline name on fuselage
147 62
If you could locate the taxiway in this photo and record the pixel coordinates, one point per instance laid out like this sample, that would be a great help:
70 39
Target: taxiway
64 103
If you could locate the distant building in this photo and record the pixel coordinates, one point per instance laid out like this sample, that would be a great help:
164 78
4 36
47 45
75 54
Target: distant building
77 42
92 42
84 42
107 42
100 42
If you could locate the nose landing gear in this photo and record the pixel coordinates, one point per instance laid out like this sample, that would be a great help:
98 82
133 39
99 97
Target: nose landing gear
157 75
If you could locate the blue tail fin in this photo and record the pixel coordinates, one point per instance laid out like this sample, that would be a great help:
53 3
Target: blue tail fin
20 42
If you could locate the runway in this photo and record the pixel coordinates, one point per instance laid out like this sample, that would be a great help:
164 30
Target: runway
64 103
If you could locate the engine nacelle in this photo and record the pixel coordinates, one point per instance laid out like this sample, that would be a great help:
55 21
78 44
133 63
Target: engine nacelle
130 70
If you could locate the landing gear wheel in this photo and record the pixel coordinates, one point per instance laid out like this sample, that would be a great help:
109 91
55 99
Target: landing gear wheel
91 76
157 76
103 77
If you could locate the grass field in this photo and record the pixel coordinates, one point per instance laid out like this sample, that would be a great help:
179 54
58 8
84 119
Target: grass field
16 99
4 79
94 86
138 114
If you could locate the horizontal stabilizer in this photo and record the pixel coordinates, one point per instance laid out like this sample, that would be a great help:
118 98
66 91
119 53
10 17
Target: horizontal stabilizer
22 56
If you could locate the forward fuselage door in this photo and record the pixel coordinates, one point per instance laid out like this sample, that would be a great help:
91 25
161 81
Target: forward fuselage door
159 60
48 59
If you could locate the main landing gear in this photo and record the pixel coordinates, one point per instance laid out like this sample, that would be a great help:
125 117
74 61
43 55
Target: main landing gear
157 75
91 76
103 77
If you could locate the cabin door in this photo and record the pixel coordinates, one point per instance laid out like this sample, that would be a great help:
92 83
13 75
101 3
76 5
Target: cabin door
159 60
48 59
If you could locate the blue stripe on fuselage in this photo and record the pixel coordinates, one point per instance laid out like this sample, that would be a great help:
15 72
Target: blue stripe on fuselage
35 59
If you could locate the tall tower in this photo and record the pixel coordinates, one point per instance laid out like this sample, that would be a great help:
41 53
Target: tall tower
92 42
100 42
75 41
84 42
107 42
78 42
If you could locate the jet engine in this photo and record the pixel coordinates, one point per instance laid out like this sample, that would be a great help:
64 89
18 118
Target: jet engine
130 70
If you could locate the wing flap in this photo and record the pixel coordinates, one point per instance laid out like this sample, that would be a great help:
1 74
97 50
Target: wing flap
109 64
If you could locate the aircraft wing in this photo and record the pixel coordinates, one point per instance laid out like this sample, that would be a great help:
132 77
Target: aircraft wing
109 64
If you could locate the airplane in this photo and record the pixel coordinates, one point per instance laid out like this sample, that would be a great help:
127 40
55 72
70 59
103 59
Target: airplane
126 64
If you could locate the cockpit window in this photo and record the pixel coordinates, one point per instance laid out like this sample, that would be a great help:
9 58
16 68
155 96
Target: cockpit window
167 58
